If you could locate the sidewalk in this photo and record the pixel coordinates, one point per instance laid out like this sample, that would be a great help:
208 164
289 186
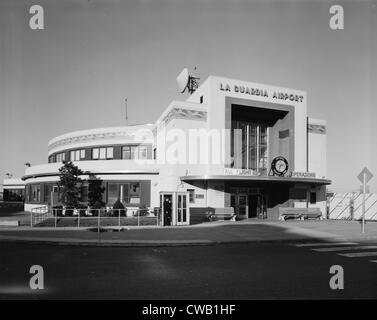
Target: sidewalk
340 228
203 234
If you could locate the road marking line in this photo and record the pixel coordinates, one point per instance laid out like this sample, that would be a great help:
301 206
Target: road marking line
344 248
375 261
358 254
324 244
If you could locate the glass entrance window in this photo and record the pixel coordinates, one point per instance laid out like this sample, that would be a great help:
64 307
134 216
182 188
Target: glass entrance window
250 204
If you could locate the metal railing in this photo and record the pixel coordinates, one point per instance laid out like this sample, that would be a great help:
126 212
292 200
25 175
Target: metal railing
97 218
39 214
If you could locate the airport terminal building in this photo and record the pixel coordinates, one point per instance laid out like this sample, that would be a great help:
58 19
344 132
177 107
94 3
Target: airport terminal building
232 146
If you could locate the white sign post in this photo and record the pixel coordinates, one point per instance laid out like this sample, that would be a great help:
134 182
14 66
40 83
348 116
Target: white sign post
364 176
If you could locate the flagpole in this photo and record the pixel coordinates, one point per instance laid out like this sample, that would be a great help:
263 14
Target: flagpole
126 107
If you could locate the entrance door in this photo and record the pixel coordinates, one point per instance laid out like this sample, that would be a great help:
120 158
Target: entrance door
182 217
242 205
254 205
167 209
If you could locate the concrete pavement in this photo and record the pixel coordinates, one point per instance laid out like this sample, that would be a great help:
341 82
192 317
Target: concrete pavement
224 271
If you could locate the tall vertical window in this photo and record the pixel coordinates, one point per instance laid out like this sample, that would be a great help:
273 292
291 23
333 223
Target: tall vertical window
110 153
47 192
263 150
252 147
134 193
249 146
239 149
35 193
191 195
102 153
142 152
112 193
127 153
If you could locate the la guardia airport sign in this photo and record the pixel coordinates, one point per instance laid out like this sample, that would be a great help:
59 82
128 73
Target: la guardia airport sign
261 92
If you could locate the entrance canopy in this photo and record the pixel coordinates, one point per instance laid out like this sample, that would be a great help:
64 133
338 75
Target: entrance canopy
264 179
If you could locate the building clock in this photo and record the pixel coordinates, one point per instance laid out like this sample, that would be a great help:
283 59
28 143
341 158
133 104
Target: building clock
279 166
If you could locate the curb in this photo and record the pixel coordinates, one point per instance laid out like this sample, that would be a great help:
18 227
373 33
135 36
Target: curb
153 243
107 243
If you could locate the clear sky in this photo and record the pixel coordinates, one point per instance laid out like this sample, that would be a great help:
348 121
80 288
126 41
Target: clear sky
76 73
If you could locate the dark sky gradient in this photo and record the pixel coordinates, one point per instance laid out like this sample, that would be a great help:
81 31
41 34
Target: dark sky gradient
76 73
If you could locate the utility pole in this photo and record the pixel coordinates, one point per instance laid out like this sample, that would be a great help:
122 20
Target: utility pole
364 190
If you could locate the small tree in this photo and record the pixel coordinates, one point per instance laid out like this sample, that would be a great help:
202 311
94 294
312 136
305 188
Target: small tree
70 184
95 191
118 208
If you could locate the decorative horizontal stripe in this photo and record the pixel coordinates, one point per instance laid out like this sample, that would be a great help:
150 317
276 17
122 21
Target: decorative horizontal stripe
187 114
12 186
53 174
91 137
317 128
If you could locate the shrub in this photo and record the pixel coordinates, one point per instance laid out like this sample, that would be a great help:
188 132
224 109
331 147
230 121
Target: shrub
143 210
69 212
118 208
58 210
97 205
82 210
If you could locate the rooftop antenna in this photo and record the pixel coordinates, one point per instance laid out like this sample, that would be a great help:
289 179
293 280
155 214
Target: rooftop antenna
188 81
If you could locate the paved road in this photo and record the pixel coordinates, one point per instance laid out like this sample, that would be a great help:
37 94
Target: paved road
227 271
